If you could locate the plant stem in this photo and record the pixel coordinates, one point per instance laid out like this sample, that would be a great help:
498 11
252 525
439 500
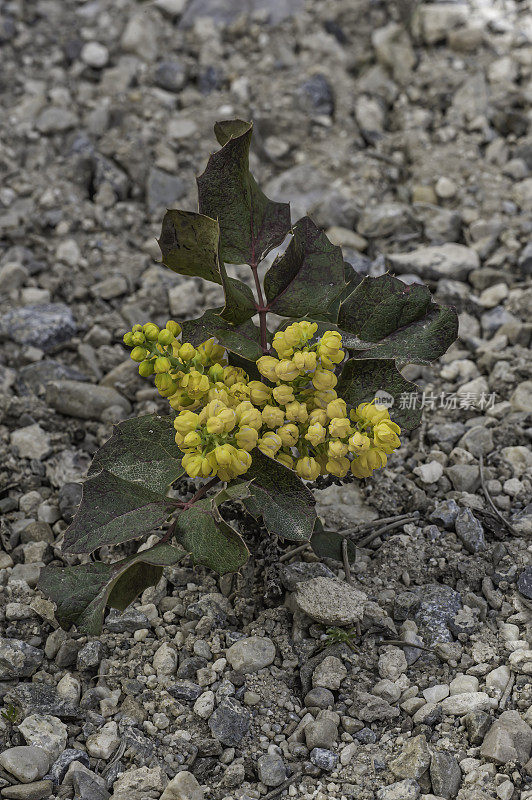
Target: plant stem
185 506
262 310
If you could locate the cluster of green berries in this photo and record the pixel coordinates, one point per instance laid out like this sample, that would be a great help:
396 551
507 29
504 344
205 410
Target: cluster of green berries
295 416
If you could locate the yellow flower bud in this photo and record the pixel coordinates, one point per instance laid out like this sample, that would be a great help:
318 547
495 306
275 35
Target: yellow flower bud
128 339
239 391
308 468
186 421
212 409
195 383
340 427
181 400
338 466
136 328
233 375
228 418
371 412
165 385
318 415
187 352
247 437
324 379
330 343
307 329
283 394
359 443
146 368
241 461
337 408
211 352
259 393
289 434
247 414
162 364
296 412
216 373
337 449
304 361
196 465
165 337
219 392
385 435
269 444
138 353
281 345
138 337
266 366
286 370
150 331
322 398
285 459
192 439
272 416
173 327
316 434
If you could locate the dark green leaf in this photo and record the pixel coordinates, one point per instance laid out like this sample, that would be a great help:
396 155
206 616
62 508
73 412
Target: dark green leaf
210 541
308 276
384 318
82 592
351 280
244 340
328 544
142 450
239 300
362 379
113 511
248 366
250 224
281 498
189 244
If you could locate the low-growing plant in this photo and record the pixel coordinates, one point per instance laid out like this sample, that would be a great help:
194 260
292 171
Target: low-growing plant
255 413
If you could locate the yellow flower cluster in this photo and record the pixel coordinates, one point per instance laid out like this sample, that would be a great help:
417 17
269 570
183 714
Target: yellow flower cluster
295 417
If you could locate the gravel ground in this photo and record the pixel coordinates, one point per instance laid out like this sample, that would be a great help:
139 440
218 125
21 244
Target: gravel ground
405 135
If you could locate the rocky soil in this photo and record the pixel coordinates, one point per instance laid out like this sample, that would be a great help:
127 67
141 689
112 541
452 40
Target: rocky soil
407 135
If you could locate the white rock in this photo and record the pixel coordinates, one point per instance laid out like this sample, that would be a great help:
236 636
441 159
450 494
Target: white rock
31 442
330 601
392 663
447 260
183 298
104 742
251 654
433 694
463 683
95 54
329 674
68 252
429 472
47 732
445 188
460 704
204 705
493 295
183 787
498 678
26 763
69 688
139 784
165 660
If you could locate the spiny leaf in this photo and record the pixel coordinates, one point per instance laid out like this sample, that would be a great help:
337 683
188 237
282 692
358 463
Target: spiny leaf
384 318
244 340
143 451
308 276
250 224
209 540
82 592
281 498
361 379
113 511
189 244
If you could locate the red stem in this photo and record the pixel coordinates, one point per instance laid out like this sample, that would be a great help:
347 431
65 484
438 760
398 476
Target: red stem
185 506
262 310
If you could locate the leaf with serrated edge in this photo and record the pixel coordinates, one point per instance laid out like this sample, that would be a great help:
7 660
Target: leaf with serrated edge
364 299
113 511
361 379
250 223
244 340
209 540
308 276
142 450
82 592
281 498
239 300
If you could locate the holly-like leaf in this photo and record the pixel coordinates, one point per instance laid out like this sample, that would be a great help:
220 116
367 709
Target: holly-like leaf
209 540
189 244
113 511
329 544
239 300
244 340
143 451
362 379
308 276
280 497
384 318
250 224
81 593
